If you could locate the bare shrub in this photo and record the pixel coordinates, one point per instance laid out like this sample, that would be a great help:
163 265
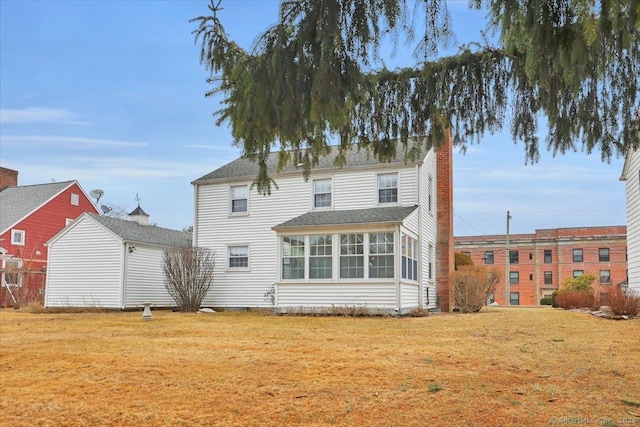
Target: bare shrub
472 285
578 292
188 274
575 299
624 303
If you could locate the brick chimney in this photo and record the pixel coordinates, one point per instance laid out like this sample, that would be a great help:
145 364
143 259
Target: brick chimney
445 256
8 178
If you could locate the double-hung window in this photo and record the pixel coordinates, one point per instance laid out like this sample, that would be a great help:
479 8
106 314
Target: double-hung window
514 257
293 257
320 257
12 274
352 256
388 188
238 257
605 277
577 255
381 255
547 256
603 254
548 278
514 277
409 258
488 257
239 199
322 193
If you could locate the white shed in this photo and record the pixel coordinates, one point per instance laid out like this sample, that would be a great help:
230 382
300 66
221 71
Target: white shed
98 261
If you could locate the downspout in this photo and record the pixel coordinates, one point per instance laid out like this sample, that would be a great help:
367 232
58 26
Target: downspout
194 239
397 271
421 287
125 250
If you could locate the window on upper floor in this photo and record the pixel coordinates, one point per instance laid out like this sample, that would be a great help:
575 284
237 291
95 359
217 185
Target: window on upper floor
603 255
514 277
238 257
18 237
322 193
75 199
388 188
605 277
239 199
514 257
577 273
488 257
577 255
548 278
547 256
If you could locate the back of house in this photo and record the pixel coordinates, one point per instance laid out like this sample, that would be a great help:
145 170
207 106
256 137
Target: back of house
359 236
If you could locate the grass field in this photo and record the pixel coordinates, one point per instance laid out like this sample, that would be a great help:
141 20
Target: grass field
500 367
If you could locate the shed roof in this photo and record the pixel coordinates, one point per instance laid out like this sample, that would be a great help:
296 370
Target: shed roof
133 232
18 202
245 168
391 214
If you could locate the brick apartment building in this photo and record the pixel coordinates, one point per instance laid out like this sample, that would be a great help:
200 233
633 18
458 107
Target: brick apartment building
542 260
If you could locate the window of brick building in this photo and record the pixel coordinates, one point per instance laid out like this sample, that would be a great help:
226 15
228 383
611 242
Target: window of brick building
603 255
548 278
547 256
577 255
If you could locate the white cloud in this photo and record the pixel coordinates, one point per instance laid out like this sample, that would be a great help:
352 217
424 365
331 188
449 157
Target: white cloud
38 115
70 142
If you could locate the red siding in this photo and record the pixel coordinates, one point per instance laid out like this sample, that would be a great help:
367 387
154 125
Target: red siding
43 224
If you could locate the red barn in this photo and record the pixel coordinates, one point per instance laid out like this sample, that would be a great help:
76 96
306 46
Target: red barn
29 216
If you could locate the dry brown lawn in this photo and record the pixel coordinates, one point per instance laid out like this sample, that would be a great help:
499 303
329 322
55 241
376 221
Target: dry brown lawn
498 367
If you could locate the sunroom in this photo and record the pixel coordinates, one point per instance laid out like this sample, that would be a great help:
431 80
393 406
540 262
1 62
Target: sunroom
366 258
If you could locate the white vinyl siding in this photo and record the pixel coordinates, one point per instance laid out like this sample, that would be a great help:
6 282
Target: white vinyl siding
428 230
351 189
632 187
144 278
84 268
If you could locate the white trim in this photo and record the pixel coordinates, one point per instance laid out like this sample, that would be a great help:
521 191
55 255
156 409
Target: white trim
67 221
313 194
226 256
241 213
398 201
75 199
23 237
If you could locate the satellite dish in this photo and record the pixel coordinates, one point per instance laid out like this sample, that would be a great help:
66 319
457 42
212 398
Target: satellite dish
97 193
105 209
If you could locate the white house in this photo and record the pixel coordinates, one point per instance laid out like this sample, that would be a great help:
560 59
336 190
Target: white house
631 176
362 235
98 261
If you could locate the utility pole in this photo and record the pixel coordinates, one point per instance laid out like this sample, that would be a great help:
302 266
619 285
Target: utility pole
507 280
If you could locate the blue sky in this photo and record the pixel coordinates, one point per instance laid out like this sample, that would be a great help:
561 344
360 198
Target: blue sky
111 93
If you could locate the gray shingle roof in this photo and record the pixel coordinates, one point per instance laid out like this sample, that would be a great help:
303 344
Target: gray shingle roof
391 214
243 167
18 202
134 232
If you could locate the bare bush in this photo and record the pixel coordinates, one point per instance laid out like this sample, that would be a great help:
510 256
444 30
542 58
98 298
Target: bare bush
188 274
569 299
472 285
624 303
